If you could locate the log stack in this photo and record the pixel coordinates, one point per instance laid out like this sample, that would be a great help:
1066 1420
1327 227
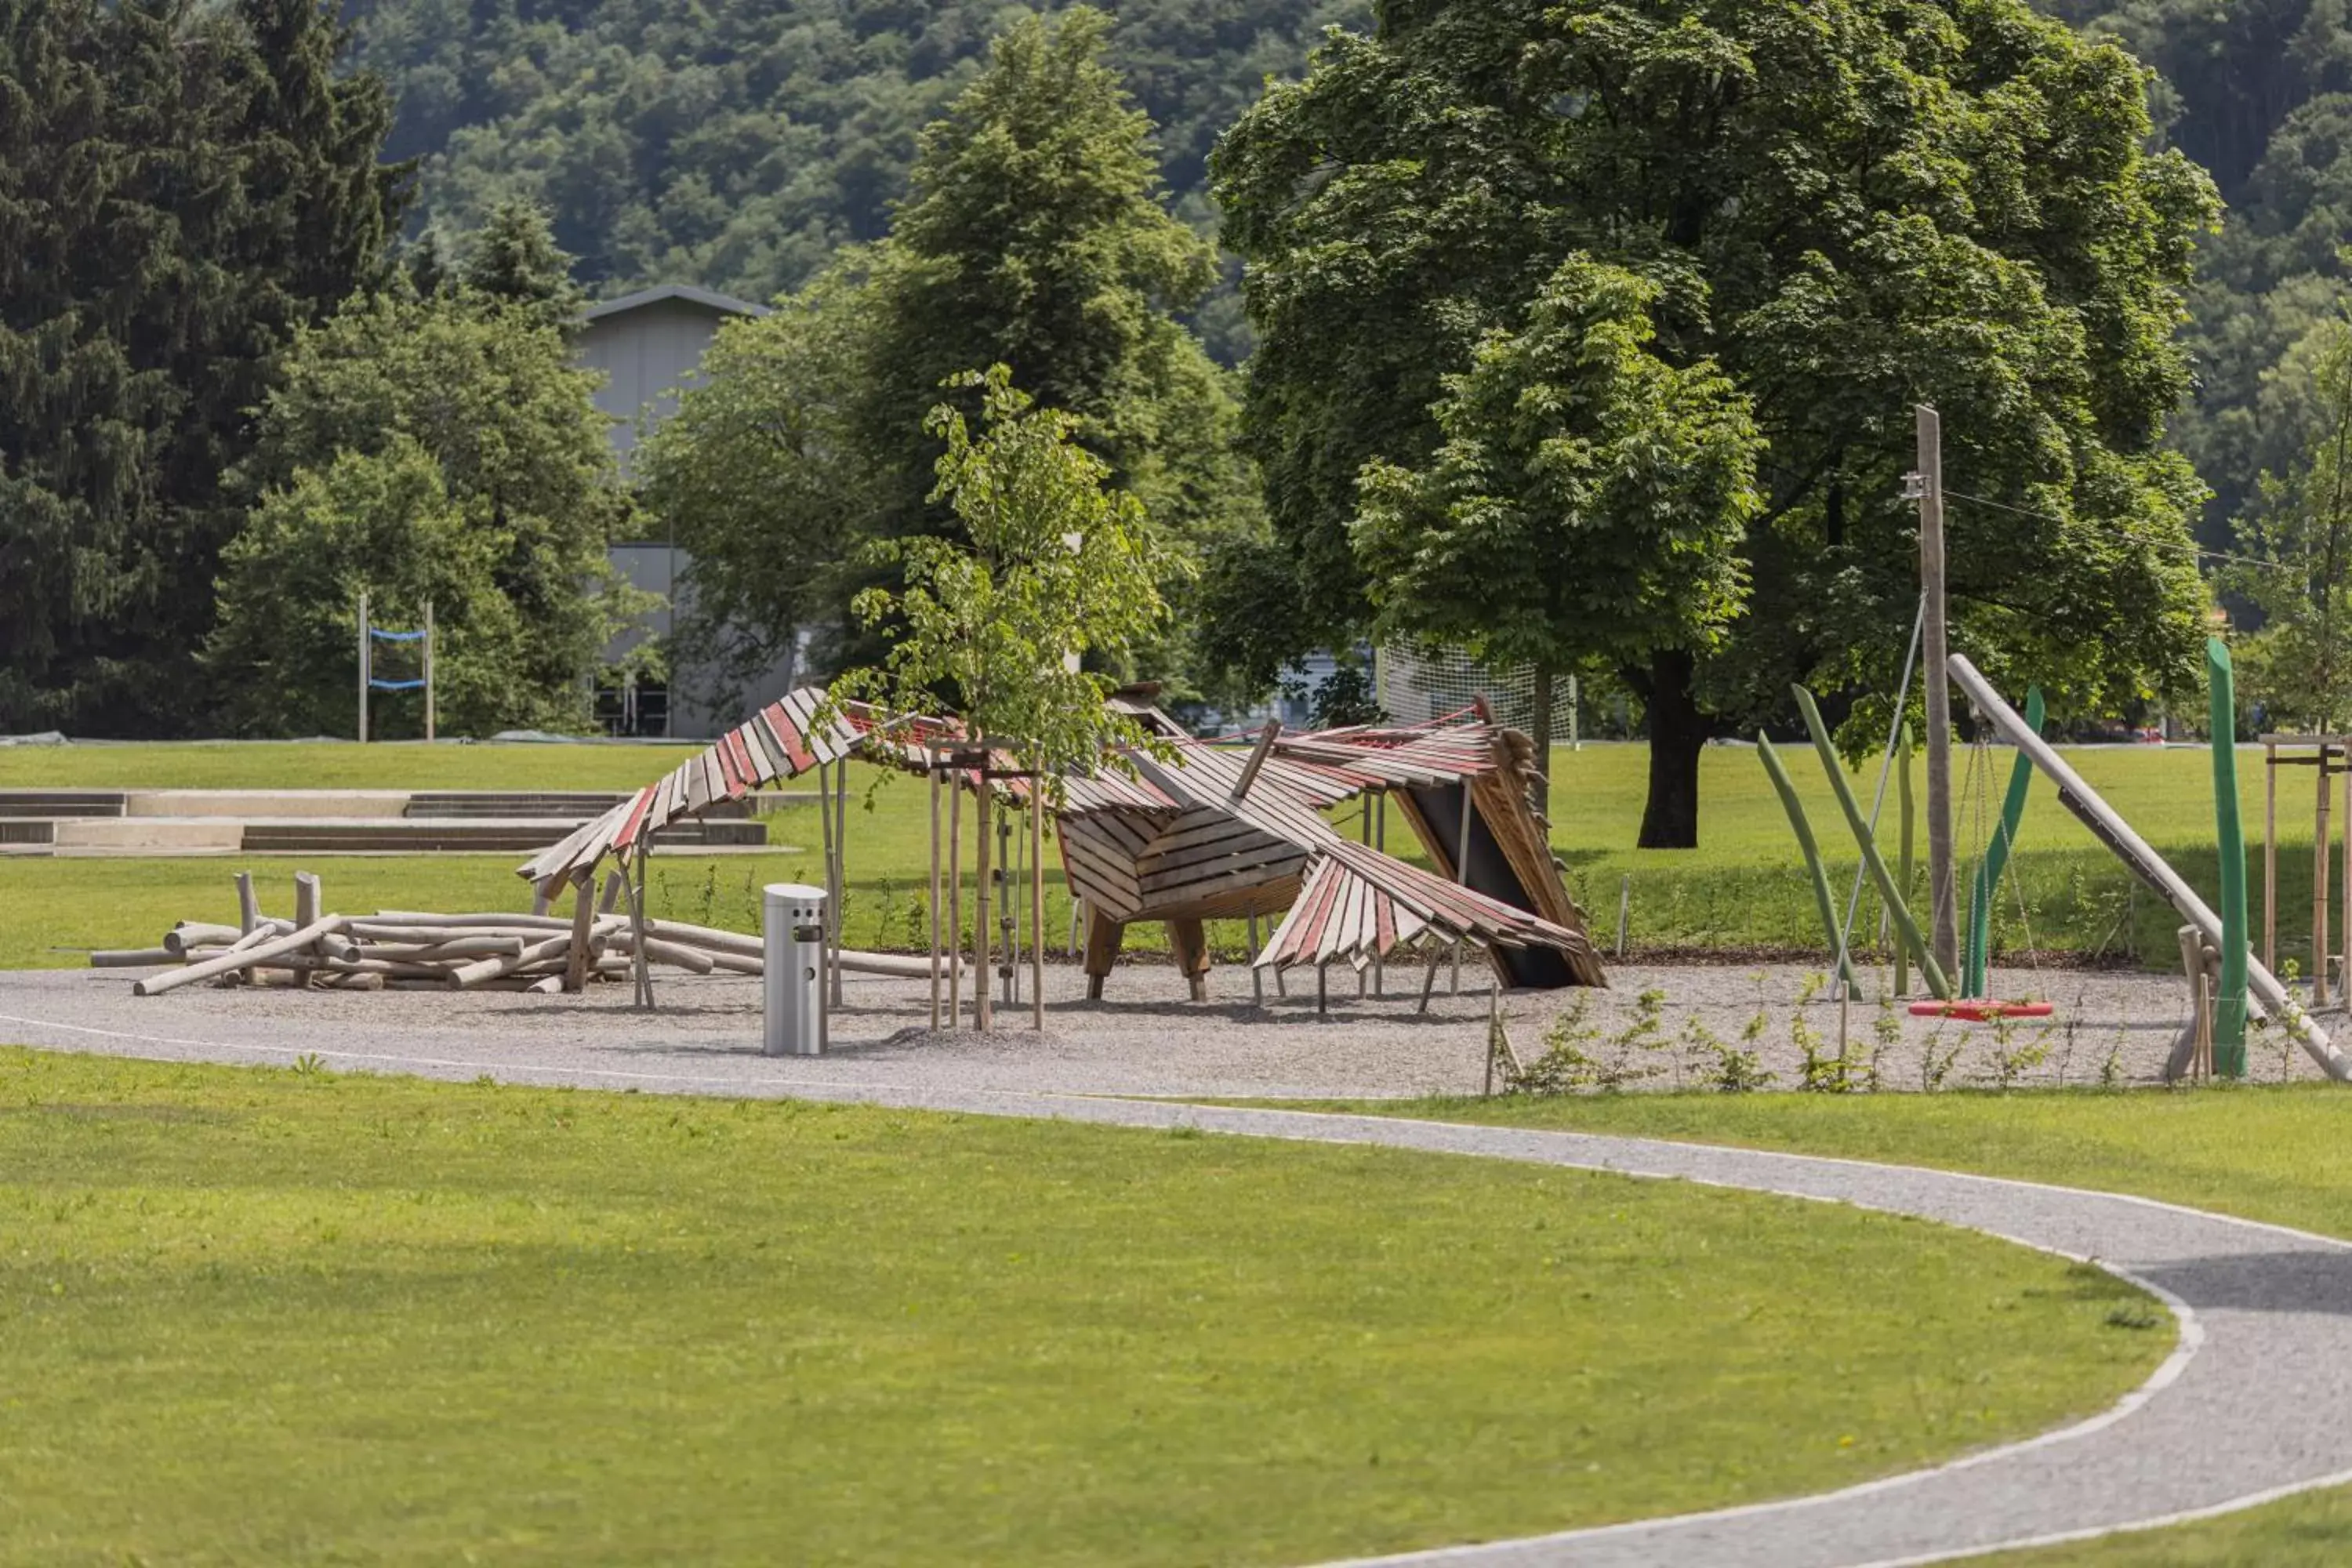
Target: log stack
415 950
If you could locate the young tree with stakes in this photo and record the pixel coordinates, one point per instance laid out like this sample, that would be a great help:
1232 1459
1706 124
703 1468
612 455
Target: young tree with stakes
1057 568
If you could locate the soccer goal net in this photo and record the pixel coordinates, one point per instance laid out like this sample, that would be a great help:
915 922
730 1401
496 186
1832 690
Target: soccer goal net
1415 687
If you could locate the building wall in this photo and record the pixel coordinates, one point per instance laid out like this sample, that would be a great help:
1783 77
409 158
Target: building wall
647 354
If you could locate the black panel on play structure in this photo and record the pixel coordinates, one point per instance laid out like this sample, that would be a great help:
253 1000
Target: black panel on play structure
1490 873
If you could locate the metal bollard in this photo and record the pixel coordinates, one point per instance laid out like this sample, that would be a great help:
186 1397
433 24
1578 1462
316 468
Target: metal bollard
793 927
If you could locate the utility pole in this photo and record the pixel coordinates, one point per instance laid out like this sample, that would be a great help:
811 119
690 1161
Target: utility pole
1927 486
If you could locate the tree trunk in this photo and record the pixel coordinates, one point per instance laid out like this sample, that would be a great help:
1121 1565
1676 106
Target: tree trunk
1539 731
1677 734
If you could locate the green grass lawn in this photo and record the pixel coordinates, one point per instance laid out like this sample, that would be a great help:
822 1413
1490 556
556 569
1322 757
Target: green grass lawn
285 1316
336 764
1743 888
2268 1153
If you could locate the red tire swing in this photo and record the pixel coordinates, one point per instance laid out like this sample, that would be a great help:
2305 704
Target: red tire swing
1980 1011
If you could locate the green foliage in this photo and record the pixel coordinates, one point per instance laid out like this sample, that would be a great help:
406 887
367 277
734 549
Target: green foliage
1848 207
1571 443
2301 535
180 187
742 145
1059 566
514 256
442 447
1034 238
760 475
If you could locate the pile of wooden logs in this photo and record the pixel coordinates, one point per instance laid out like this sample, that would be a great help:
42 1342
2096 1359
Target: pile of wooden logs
412 950
415 949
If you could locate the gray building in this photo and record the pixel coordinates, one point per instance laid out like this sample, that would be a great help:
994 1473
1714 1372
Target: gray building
649 346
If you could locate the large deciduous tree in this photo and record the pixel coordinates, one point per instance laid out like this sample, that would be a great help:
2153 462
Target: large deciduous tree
1849 206
507 538
1570 443
180 189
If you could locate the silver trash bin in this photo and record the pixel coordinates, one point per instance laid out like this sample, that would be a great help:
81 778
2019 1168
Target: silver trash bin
793 928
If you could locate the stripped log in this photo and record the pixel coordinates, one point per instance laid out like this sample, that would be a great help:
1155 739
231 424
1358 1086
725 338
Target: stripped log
482 969
190 934
133 958
240 956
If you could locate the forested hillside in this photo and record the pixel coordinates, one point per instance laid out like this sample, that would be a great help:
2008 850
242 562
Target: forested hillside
738 143
2259 91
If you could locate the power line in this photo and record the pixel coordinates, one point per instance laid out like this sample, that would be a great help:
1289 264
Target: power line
2196 550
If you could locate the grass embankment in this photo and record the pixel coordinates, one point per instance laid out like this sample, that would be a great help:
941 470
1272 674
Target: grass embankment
2273 1154
279 1316
1743 888
336 764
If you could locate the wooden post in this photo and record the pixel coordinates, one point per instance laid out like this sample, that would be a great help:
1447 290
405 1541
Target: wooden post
1945 935
428 669
2269 857
2320 845
1461 876
1008 927
932 771
363 669
1037 899
1364 833
583 925
1494 1015
248 917
306 913
983 1012
955 899
640 962
840 886
1188 943
1257 975
1379 843
2343 974
1103 938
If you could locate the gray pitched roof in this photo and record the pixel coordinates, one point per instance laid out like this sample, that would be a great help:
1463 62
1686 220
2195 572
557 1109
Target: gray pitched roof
727 304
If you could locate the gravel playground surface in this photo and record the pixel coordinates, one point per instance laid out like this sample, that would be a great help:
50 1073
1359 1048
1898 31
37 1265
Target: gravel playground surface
1146 1039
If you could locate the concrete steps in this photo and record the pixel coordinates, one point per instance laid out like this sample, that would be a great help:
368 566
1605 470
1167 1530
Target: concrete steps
48 803
329 822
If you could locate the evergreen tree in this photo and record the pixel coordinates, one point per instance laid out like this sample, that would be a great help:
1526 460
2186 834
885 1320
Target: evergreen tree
177 192
514 256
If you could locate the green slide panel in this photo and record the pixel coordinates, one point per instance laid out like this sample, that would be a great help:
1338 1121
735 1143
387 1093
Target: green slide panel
1977 980
2230 1007
1823 898
1938 983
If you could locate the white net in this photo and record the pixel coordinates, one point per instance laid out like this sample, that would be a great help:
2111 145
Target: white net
1415 687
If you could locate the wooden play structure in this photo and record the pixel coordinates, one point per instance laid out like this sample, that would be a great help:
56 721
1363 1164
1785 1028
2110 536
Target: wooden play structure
1185 831
2330 758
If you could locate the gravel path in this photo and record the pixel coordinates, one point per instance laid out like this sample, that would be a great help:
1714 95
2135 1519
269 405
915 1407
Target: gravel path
2257 1400
1146 1039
